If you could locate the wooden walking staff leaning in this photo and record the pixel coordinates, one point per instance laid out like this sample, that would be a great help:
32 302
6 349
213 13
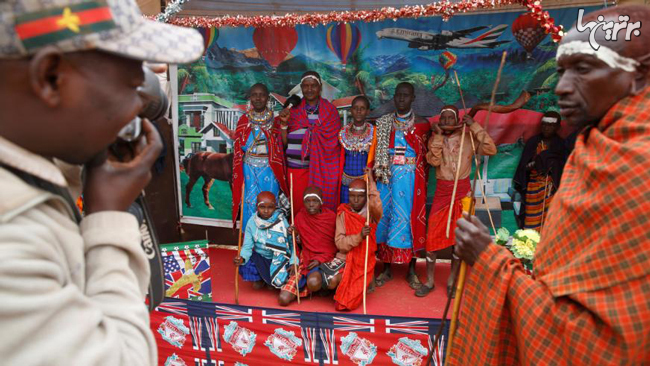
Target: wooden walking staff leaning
241 228
365 264
463 265
293 234
476 161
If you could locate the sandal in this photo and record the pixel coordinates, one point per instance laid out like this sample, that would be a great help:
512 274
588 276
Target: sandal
424 290
414 281
383 278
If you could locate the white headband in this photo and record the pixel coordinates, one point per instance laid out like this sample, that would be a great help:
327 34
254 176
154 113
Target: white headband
550 119
310 77
312 195
259 203
357 190
450 110
605 54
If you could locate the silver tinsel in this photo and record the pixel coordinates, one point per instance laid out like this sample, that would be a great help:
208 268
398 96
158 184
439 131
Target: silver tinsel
172 9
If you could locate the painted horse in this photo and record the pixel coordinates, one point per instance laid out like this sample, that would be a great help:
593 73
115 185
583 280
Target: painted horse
209 166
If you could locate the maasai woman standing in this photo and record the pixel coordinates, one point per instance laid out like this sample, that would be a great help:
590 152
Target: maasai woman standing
400 168
309 133
259 157
356 140
539 171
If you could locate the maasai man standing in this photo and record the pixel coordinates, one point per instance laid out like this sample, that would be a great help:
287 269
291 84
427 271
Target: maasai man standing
401 171
267 252
588 302
315 226
356 139
351 233
259 157
310 133
539 171
443 154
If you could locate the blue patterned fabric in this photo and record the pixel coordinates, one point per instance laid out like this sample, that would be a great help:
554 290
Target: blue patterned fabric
258 177
394 228
355 162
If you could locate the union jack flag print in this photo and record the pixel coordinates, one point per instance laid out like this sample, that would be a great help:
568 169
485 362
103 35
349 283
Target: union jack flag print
226 334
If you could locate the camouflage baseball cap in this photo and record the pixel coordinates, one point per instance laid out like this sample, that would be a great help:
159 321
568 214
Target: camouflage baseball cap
114 26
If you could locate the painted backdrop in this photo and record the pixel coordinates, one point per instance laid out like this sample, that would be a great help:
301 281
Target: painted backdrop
362 58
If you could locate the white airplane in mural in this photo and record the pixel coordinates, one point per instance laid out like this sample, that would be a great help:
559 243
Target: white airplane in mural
445 39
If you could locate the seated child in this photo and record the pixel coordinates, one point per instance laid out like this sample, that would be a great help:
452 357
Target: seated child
266 252
351 233
314 228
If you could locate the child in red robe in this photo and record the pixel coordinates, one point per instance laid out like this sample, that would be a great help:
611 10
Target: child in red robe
351 232
314 226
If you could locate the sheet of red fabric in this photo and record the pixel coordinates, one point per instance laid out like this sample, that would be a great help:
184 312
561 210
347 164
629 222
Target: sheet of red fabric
276 160
437 229
322 144
588 302
349 293
300 183
317 235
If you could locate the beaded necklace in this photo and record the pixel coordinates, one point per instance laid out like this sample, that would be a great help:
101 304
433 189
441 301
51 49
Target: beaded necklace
354 142
262 120
312 110
404 122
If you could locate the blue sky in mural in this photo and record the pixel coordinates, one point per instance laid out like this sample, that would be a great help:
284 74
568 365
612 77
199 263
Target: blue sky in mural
312 41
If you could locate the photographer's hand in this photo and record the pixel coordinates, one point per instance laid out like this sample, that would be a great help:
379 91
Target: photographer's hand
112 185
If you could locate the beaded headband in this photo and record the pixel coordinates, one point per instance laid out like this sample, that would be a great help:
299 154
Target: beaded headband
310 77
605 54
312 195
449 110
360 190
550 119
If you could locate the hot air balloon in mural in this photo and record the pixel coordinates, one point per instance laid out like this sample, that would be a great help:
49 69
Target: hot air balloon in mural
274 44
447 60
343 40
527 32
210 36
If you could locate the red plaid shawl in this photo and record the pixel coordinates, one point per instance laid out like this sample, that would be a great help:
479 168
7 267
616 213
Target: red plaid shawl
349 293
590 302
276 160
322 144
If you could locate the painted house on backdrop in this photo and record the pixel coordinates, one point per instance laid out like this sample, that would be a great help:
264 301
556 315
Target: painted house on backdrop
210 118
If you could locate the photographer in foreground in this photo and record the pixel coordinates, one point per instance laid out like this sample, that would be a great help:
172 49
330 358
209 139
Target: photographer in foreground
72 289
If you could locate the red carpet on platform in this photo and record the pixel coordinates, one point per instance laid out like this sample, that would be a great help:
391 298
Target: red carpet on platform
395 298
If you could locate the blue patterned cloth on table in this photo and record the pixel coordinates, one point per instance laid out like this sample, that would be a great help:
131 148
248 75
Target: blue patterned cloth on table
355 162
258 175
394 228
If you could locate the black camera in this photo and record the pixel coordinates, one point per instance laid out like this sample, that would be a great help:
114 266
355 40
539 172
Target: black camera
155 106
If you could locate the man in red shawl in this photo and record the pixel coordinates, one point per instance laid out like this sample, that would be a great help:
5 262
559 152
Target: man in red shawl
588 302
352 230
314 226
259 157
310 136
444 147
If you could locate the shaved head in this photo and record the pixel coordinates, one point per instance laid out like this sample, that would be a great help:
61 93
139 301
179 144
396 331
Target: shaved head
358 184
266 196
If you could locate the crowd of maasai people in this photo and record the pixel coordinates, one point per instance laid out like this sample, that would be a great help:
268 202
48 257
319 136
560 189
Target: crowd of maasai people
362 184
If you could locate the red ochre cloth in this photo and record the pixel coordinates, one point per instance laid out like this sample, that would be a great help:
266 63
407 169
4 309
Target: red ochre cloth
437 230
349 293
589 301
317 236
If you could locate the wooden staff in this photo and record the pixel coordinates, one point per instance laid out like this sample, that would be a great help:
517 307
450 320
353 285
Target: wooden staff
453 193
365 265
463 265
471 137
293 234
241 226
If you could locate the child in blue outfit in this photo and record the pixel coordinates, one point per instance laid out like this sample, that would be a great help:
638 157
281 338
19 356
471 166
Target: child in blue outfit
267 252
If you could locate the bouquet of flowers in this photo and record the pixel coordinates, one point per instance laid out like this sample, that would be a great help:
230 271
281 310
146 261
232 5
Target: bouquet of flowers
522 244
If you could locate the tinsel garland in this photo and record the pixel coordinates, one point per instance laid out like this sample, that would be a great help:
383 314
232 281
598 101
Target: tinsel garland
444 9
